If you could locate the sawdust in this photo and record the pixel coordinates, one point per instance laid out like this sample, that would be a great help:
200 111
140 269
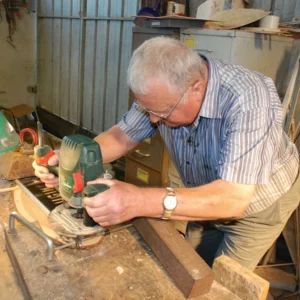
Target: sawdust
8 285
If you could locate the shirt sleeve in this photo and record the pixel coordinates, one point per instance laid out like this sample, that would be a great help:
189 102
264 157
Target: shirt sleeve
136 123
250 148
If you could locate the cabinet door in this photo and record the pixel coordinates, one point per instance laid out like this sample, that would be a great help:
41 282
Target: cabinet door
141 175
210 45
266 54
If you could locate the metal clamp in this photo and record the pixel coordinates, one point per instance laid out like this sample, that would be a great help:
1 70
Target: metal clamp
50 244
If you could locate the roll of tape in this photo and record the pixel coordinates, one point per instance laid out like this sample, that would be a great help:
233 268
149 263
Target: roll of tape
171 8
175 9
179 9
270 22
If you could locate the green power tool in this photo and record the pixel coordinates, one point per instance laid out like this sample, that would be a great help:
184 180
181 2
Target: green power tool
80 161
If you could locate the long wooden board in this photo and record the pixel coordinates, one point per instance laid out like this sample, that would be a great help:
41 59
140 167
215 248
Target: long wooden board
188 270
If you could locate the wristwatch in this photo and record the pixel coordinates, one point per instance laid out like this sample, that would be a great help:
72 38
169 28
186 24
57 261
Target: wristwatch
169 203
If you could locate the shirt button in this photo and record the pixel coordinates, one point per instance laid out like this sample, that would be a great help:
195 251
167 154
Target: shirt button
189 140
187 162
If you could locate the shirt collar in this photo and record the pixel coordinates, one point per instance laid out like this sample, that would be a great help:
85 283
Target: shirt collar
211 104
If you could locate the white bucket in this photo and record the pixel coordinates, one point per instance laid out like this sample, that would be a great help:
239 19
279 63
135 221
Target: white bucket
269 22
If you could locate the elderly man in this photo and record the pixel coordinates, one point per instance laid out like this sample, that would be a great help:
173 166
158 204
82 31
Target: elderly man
221 125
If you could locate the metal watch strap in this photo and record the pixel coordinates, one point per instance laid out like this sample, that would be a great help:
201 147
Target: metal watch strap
167 212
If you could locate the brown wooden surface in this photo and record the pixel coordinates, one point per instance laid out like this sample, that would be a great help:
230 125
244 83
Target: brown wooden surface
234 18
239 280
121 267
14 165
188 270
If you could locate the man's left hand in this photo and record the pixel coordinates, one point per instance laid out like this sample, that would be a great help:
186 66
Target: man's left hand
116 205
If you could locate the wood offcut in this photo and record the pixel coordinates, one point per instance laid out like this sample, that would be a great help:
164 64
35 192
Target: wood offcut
188 270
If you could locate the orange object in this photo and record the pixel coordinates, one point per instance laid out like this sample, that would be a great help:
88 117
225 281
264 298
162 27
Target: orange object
31 132
78 182
43 161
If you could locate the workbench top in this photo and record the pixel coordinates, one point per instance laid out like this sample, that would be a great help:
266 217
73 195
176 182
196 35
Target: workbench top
9 288
121 267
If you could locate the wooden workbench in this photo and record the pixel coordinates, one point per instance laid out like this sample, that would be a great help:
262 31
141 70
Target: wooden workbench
121 267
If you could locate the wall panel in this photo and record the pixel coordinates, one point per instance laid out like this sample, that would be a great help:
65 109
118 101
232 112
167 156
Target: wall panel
286 9
84 48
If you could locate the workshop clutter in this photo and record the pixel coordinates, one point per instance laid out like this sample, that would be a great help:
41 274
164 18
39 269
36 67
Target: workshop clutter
175 9
187 8
165 8
17 163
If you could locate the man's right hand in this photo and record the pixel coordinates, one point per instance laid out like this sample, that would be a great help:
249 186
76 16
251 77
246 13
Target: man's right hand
43 173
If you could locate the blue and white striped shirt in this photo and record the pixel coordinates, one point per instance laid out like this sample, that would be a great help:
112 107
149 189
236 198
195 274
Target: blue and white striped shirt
237 136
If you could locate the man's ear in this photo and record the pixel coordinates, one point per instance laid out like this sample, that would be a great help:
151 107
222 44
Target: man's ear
198 89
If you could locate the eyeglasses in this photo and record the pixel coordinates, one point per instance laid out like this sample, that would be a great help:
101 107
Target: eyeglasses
163 116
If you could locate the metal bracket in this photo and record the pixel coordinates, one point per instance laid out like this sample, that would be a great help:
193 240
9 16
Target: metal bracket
50 244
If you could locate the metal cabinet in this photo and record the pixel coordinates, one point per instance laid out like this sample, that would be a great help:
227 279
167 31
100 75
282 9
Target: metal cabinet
271 55
147 164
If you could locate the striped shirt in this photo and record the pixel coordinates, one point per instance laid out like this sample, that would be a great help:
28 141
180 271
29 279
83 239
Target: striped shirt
237 136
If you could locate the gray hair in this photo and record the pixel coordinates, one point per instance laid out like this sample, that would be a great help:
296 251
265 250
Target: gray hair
167 60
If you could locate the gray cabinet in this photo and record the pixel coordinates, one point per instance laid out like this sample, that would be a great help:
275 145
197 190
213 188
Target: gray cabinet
147 164
271 55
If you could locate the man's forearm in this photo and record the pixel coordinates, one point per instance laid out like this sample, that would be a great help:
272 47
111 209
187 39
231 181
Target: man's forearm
114 143
217 200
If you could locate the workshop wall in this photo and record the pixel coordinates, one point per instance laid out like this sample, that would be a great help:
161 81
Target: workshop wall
18 60
84 48
286 9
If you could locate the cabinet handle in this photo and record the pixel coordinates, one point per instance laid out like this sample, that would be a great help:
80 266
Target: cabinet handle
204 50
141 153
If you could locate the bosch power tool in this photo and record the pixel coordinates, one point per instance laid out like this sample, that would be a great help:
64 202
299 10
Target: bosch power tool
80 162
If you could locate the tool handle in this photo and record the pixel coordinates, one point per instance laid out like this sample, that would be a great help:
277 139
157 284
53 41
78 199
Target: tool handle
42 154
53 169
91 191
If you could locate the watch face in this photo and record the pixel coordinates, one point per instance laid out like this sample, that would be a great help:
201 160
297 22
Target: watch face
170 202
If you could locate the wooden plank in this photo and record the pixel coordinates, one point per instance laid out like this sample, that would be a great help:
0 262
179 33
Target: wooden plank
239 280
188 270
278 278
234 18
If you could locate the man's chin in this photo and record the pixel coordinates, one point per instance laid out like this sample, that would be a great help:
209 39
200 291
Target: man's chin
169 124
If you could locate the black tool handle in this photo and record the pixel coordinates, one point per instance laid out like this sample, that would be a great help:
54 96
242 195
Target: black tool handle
53 169
91 191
